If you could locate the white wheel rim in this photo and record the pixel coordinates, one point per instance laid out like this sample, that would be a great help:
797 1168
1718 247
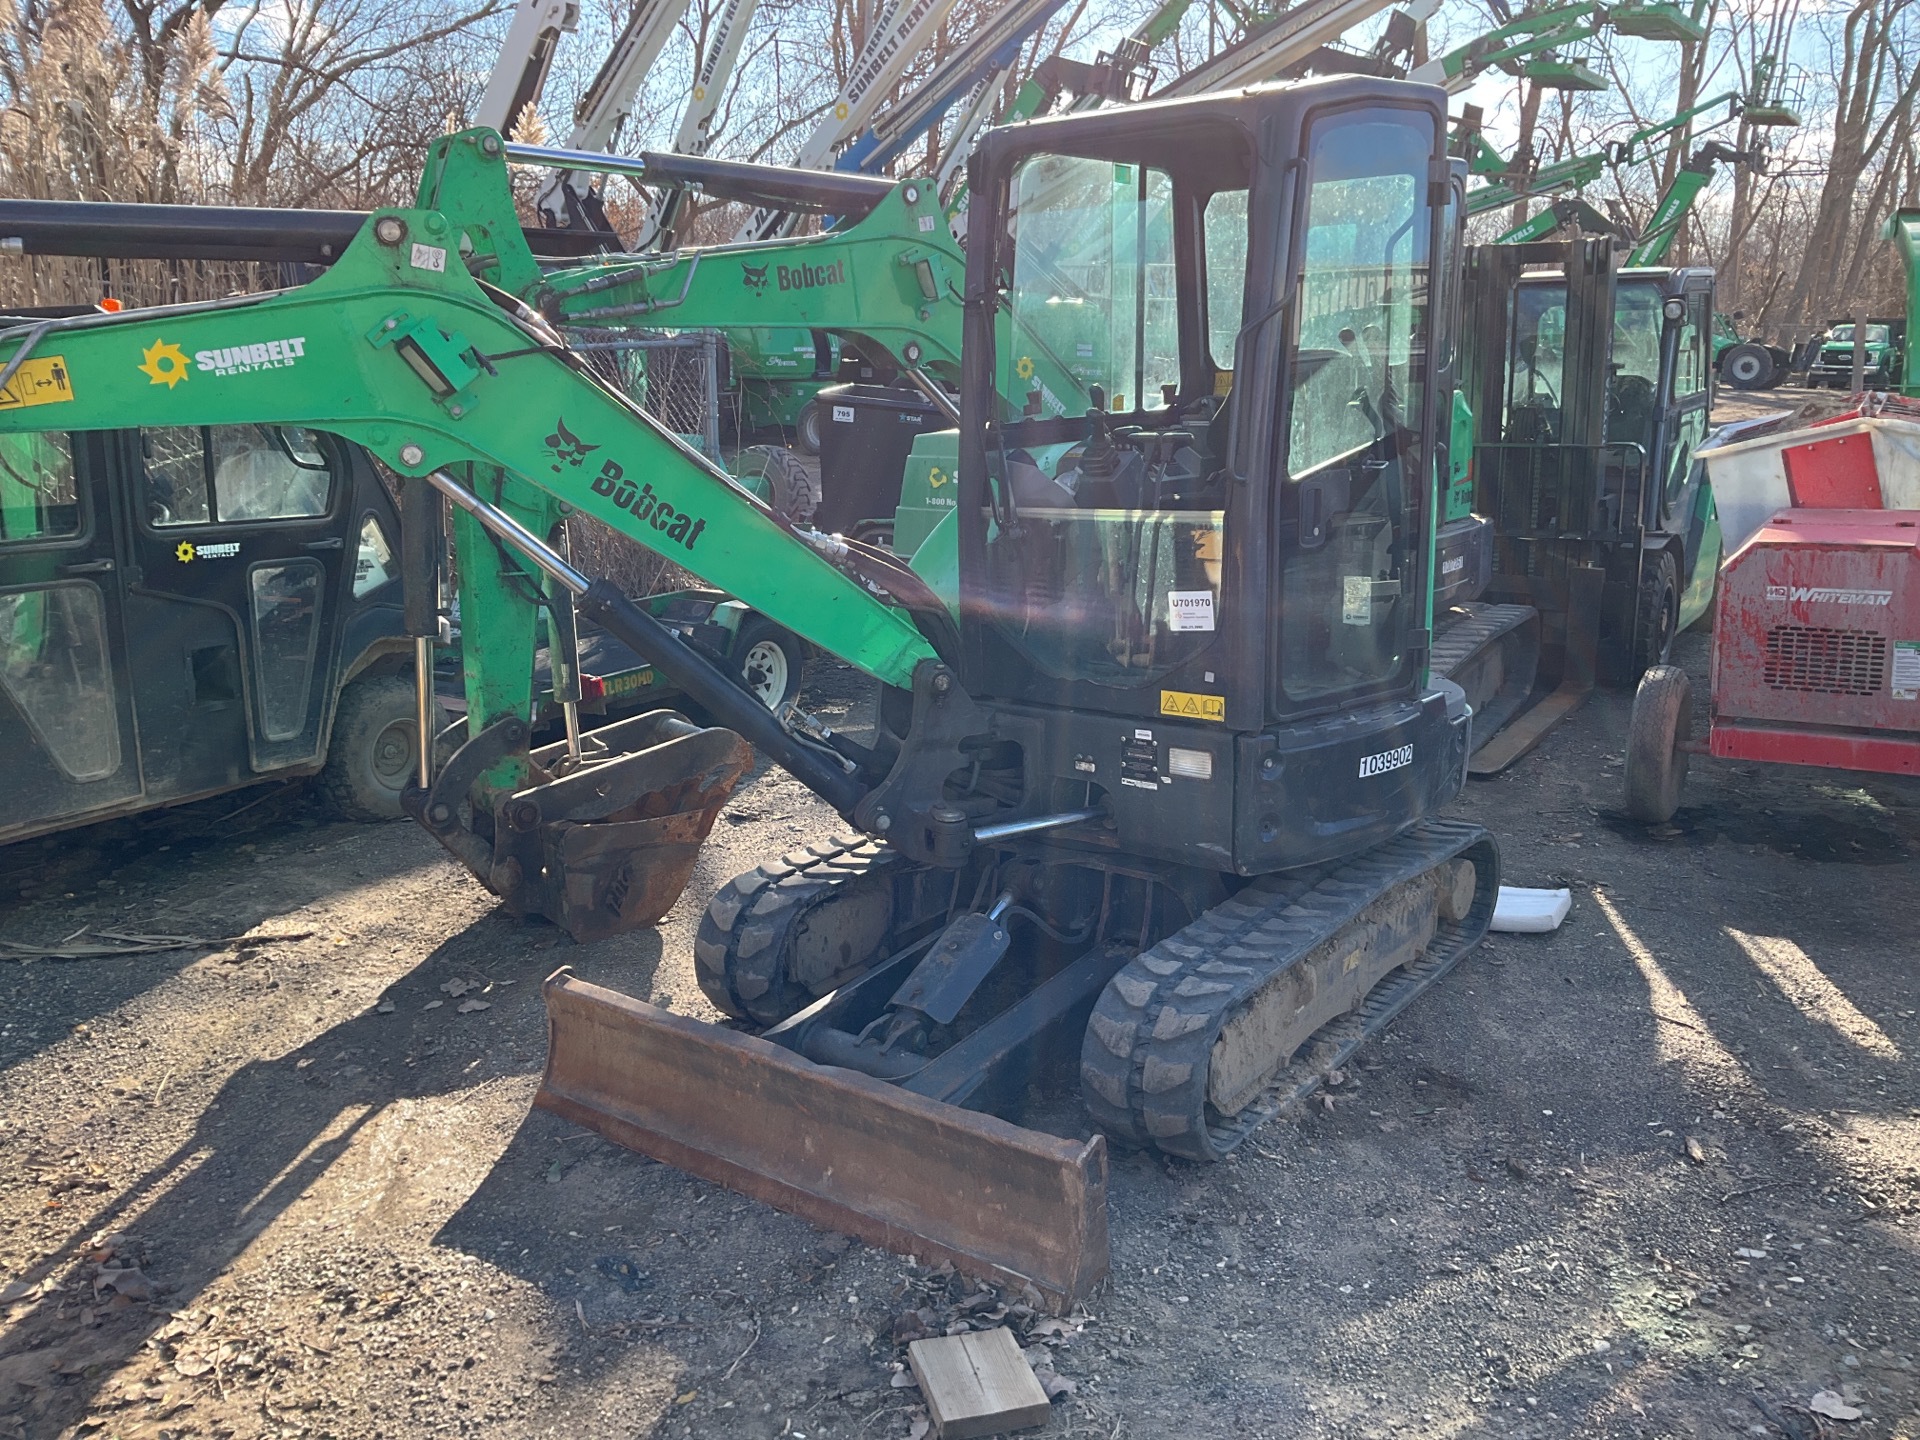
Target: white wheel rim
765 672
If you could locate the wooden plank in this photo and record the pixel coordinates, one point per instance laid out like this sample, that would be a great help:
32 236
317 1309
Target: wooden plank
978 1384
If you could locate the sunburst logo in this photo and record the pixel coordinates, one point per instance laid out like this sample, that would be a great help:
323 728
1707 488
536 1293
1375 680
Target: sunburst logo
164 363
183 552
1023 367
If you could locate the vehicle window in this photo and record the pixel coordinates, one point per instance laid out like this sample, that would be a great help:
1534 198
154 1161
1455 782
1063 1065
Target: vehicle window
230 473
286 614
1537 364
1094 298
1113 573
55 666
1358 367
1225 224
39 497
1364 256
1690 361
1633 366
373 563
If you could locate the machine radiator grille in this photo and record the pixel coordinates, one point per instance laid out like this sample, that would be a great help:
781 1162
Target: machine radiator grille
1824 661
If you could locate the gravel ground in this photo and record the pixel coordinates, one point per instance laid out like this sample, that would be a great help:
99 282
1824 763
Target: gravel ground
1657 1174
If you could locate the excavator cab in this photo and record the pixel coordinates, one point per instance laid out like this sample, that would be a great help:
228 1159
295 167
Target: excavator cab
1189 591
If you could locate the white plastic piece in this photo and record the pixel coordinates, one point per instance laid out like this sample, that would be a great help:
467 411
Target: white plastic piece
1530 912
1750 476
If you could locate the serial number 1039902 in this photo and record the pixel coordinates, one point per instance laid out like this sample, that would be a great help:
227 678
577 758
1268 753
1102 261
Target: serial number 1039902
1386 760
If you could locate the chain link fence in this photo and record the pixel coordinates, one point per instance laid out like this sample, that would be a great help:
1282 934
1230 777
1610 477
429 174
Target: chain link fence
676 380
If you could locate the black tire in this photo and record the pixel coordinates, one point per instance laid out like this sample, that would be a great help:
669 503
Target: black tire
1748 367
371 752
1657 617
1782 369
769 659
792 489
1656 765
806 429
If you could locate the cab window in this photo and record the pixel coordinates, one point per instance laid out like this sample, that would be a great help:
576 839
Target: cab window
39 497
203 475
1690 368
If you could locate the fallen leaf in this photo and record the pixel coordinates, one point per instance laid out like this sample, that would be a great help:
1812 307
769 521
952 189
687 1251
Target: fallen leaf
385 1007
130 1283
920 1428
1056 1385
903 1380
1829 1404
191 1366
554 1172
16 1290
1745 1254
686 1399
467 1007
1694 1151
433 1005
457 987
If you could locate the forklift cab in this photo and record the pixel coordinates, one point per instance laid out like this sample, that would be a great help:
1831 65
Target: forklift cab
1592 389
180 609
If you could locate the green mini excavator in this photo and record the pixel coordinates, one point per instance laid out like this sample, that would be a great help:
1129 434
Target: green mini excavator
1154 790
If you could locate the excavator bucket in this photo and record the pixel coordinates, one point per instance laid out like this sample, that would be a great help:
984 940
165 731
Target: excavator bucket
607 841
836 1147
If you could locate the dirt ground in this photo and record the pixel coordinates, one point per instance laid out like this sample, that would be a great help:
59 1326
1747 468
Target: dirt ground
1657 1174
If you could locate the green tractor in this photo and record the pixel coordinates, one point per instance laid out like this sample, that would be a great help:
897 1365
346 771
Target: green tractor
1746 362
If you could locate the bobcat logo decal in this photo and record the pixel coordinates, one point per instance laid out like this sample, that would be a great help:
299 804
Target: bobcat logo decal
754 277
566 447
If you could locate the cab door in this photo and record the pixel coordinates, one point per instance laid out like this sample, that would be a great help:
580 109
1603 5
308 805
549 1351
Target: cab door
1688 395
240 580
66 714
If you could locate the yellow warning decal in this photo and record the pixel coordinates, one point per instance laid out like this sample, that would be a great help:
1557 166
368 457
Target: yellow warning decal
1185 706
44 381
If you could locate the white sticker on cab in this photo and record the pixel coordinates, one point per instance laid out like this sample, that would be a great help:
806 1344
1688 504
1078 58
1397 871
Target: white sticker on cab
1190 610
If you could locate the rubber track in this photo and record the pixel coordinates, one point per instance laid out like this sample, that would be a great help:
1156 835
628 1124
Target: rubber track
739 951
1149 1043
1456 641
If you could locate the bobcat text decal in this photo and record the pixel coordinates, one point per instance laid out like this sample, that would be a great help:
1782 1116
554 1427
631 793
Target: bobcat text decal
612 483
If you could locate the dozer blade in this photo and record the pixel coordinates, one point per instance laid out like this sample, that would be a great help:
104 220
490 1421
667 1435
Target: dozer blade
836 1147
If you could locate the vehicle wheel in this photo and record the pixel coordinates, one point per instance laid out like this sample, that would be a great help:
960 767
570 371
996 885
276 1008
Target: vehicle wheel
370 754
806 429
1748 367
1658 615
1782 369
770 660
1656 765
793 490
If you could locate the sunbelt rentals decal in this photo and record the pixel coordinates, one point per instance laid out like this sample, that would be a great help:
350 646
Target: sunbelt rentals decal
165 363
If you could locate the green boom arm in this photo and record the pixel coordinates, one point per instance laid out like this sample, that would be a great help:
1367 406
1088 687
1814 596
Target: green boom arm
891 279
397 349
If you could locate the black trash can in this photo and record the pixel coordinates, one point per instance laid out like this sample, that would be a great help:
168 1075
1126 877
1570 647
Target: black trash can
866 432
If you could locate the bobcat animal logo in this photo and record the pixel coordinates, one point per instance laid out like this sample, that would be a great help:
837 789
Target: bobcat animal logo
754 277
566 447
